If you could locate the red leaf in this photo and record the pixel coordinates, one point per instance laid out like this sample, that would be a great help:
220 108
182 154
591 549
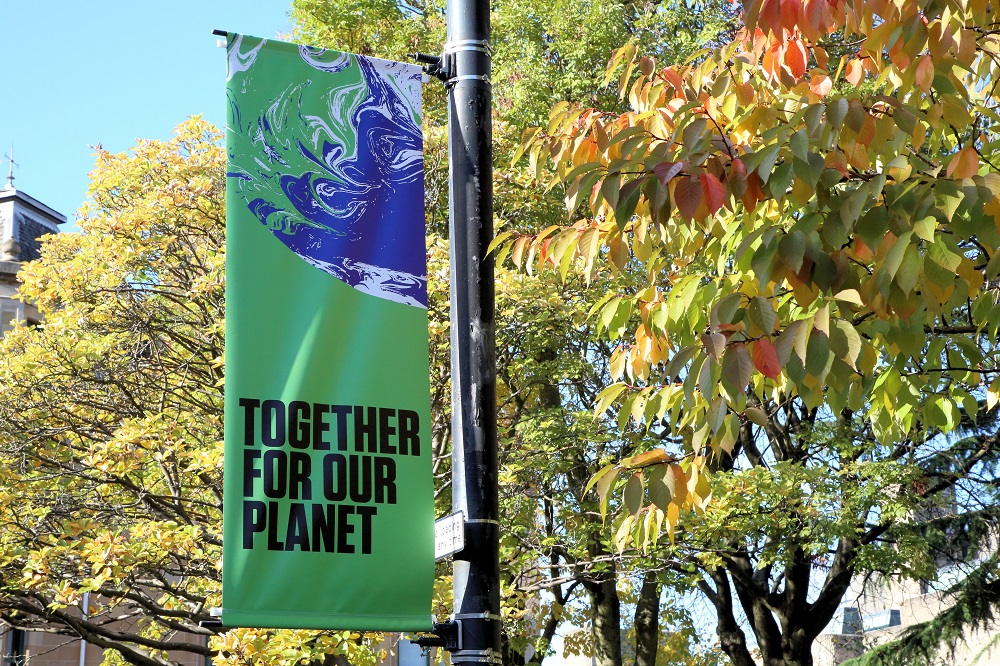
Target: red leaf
667 170
811 19
544 253
715 192
765 358
770 16
688 194
757 185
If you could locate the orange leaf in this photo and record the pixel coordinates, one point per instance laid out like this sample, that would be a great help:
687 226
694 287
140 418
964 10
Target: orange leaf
924 75
645 459
715 192
765 358
673 78
811 19
796 58
790 14
822 57
737 178
855 72
688 196
821 85
771 62
965 164
754 192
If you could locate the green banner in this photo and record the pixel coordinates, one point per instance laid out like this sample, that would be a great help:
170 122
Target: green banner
328 520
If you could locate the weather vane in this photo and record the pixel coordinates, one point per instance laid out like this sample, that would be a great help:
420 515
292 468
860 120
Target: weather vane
10 170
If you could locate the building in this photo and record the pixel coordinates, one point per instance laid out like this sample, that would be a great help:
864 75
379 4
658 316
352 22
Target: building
878 609
23 221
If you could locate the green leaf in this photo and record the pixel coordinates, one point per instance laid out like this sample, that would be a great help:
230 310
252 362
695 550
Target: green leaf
780 180
729 433
606 397
949 195
737 366
724 312
819 357
604 487
498 239
633 493
756 415
909 269
628 199
835 112
767 160
657 486
813 116
845 341
810 169
607 469
799 143
904 119
894 258
692 133
792 250
873 225
624 532
925 228
762 314
679 360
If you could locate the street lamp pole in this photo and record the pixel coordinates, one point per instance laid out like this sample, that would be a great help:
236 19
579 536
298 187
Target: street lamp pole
473 634
474 454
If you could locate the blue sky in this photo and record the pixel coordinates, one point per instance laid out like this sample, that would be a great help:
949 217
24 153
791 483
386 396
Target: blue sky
76 74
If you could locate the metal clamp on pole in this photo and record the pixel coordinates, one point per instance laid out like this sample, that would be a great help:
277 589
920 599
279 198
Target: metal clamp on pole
436 66
487 656
480 45
446 635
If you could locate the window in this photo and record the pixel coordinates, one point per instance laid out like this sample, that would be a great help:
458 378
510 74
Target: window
8 315
13 642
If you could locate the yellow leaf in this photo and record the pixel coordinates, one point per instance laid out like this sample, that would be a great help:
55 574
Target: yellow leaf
964 164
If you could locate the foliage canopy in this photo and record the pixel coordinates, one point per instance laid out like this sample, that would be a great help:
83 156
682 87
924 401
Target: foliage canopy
813 208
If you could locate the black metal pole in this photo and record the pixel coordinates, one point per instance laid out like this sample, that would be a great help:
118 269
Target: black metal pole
474 431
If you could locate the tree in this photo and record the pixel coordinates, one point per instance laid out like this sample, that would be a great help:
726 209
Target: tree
550 365
111 421
814 208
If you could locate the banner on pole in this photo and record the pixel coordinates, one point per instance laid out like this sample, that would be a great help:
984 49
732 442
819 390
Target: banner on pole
328 515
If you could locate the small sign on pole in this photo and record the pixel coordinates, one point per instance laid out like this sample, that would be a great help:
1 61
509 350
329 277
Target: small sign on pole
449 535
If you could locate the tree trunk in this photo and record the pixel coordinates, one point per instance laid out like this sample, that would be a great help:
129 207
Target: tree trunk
647 621
606 619
731 636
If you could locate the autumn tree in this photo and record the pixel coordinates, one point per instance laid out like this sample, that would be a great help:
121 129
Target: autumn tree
111 421
550 365
814 210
